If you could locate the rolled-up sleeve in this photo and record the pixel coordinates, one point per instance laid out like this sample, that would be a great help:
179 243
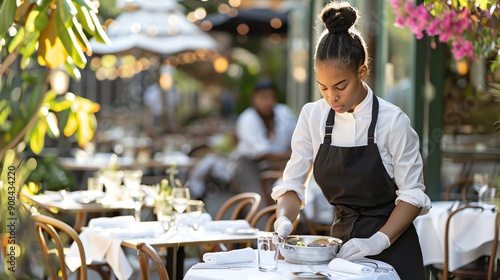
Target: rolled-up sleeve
408 165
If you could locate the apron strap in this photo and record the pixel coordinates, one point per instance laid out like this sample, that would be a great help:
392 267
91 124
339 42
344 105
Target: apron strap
329 127
330 121
371 129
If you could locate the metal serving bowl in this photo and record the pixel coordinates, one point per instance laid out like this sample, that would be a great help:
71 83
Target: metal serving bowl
305 254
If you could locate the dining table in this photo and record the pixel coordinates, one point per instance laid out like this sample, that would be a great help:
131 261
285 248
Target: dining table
286 270
81 204
471 235
175 243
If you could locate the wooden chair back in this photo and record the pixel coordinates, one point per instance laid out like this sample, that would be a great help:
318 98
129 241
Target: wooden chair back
475 271
145 252
269 212
49 231
238 204
461 187
492 265
267 179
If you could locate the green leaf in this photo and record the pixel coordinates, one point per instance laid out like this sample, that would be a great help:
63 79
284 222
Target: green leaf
72 70
53 128
86 20
28 51
80 35
30 21
100 35
18 39
66 11
41 21
4 111
37 140
87 4
68 39
58 106
35 97
7 14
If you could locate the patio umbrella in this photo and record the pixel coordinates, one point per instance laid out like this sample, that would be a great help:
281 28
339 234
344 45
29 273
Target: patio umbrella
259 21
153 27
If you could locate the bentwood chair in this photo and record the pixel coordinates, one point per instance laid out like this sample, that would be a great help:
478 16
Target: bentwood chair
267 179
457 189
53 237
493 263
268 215
145 253
475 270
243 205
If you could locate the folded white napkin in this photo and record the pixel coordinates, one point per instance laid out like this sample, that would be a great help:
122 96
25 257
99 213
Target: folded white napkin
112 222
234 256
145 230
222 225
342 265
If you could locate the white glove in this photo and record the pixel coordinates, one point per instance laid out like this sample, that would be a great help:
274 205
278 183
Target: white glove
283 226
358 248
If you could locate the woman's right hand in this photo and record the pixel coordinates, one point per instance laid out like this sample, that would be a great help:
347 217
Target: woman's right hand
283 226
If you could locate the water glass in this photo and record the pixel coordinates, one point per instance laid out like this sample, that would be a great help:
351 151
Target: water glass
487 194
94 184
164 213
194 210
267 253
132 179
112 180
180 198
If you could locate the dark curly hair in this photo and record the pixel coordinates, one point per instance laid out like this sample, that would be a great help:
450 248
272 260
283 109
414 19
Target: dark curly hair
341 42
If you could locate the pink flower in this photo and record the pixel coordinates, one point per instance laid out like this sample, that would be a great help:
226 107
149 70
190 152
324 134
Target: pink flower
446 35
462 49
433 28
399 22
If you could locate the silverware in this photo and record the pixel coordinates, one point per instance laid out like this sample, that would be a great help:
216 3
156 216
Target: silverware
218 266
322 273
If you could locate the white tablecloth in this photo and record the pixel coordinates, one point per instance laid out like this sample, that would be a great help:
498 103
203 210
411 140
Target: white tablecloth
250 271
471 236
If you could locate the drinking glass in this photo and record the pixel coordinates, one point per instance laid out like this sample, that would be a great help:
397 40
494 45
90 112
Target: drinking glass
164 214
112 180
94 184
180 198
481 181
267 253
132 180
195 209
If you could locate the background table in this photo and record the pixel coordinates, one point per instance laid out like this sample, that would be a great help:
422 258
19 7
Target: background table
80 210
252 272
471 236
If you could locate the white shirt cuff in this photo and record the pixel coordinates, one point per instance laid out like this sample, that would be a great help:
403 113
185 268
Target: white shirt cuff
280 190
415 197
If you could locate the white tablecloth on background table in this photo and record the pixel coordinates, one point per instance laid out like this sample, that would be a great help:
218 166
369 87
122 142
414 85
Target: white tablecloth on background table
471 236
102 241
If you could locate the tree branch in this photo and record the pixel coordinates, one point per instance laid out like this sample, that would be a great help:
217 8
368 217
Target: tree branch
9 60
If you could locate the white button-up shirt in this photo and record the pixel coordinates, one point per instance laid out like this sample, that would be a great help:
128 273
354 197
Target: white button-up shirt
397 142
253 141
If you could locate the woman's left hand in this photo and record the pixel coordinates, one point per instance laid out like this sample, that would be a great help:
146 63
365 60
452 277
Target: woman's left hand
358 248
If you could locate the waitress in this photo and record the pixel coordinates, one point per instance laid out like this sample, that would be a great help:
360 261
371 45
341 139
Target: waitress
362 152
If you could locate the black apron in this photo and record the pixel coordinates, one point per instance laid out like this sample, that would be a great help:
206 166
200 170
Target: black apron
355 181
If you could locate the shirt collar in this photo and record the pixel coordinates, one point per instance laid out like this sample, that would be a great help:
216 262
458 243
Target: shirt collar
366 104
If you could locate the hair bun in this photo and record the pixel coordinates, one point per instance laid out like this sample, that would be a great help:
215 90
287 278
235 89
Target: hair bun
338 16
